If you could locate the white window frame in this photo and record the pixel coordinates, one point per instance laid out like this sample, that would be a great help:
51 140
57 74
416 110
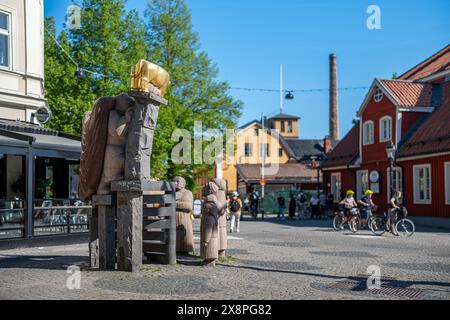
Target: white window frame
416 184
7 33
389 129
336 188
378 95
399 173
365 137
360 190
447 182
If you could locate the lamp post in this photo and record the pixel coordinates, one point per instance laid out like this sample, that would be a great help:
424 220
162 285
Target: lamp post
390 151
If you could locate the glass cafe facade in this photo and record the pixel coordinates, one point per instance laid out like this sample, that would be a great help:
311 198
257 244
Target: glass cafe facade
39 182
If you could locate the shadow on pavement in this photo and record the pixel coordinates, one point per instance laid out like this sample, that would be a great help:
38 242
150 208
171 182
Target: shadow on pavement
41 262
385 282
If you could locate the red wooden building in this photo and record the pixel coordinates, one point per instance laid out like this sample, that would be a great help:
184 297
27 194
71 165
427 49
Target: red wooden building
412 112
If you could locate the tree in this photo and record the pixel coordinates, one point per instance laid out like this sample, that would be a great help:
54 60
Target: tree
109 42
195 93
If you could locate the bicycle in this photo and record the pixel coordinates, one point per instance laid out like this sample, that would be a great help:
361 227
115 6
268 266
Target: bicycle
341 219
403 227
357 222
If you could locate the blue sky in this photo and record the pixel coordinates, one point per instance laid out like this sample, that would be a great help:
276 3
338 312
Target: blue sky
249 39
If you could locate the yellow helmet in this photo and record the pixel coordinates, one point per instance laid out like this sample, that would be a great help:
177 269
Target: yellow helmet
350 193
368 192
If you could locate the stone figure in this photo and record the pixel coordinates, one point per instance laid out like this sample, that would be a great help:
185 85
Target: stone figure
184 206
114 161
97 134
145 73
221 196
209 226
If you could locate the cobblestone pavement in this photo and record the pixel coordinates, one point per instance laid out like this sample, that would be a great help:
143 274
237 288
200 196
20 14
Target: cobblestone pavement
269 260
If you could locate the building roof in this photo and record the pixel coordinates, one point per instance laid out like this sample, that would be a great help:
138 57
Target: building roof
432 136
346 151
305 148
23 134
287 172
438 62
408 93
284 116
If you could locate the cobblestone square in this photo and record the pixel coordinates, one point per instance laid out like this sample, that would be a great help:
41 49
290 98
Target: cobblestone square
268 260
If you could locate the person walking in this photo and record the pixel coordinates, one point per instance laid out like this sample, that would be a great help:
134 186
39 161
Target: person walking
281 207
235 206
292 207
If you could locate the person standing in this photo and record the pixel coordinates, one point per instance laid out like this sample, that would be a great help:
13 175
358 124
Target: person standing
323 205
292 207
301 199
235 206
314 202
281 207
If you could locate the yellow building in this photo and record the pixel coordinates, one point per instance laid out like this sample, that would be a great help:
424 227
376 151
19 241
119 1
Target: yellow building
287 158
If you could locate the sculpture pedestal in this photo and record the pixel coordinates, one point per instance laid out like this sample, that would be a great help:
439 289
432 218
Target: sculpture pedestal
106 210
129 225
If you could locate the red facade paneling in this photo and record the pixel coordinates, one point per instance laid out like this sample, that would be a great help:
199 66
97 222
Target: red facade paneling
374 111
437 208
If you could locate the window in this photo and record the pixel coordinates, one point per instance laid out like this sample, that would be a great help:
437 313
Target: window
248 149
266 151
396 181
368 132
362 183
4 39
385 129
378 96
336 186
447 182
283 129
280 152
256 132
422 184
290 129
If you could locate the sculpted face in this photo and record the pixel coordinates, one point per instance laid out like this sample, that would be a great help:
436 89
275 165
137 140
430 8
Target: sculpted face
180 183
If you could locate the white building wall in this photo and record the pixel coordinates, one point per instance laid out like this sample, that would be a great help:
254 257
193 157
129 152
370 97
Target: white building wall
22 82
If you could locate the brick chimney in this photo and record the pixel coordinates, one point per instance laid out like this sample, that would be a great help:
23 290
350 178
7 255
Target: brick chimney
334 112
327 144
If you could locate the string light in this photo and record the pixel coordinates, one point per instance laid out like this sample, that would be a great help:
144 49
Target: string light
297 90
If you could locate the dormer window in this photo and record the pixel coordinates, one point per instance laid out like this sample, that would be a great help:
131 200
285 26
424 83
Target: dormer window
283 129
378 96
290 128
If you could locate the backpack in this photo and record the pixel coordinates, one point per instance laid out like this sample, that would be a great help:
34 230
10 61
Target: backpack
234 206
302 198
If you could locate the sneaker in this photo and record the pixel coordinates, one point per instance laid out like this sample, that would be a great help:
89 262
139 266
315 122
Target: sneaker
237 231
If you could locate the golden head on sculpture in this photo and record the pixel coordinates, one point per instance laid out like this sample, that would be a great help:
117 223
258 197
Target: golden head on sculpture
146 74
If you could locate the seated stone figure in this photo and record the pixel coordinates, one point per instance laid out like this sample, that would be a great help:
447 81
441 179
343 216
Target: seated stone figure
114 162
104 133
209 241
184 206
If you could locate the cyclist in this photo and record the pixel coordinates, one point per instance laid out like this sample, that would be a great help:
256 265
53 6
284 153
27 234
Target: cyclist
367 204
394 209
348 204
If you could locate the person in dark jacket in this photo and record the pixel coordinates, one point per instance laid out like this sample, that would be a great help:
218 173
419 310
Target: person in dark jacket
281 207
292 207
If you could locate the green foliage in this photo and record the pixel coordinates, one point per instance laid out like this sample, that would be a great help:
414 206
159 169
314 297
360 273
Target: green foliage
109 42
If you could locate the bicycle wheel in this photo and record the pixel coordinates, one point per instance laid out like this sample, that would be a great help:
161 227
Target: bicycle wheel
405 228
354 224
378 226
337 222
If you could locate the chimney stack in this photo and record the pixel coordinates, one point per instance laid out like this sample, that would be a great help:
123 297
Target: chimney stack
334 112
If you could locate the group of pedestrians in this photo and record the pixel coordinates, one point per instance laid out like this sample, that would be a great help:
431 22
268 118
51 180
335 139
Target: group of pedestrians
314 208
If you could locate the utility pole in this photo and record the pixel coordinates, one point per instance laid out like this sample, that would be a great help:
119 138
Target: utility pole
263 162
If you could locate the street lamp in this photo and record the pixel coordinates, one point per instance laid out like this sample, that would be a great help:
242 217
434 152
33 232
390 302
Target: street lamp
390 151
289 96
